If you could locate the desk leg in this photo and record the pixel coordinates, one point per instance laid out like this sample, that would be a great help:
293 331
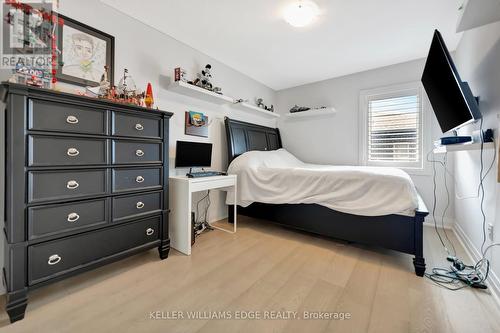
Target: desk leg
233 216
180 217
235 207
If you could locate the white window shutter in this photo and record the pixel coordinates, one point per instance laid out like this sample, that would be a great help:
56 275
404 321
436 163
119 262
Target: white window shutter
394 129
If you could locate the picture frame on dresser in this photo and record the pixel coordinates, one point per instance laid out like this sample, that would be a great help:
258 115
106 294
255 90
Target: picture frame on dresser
78 171
84 53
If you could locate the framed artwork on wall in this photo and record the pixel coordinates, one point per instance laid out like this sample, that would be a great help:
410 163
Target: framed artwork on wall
84 53
196 124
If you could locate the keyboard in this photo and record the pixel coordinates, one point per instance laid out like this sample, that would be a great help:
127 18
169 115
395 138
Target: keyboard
205 174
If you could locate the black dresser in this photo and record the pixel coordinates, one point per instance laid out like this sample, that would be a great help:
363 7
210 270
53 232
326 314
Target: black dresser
85 184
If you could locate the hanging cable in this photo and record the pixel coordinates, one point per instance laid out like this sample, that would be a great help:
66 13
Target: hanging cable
460 275
202 223
445 161
434 201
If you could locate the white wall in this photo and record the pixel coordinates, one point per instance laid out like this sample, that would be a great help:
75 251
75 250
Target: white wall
334 140
478 61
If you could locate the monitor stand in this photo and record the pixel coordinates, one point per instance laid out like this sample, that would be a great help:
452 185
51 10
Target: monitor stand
193 171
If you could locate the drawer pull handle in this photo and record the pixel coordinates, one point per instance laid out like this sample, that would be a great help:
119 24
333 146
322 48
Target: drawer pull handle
72 120
72 184
139 179
73 217
73 152
139 153
54 259
139 127
139 205
150 231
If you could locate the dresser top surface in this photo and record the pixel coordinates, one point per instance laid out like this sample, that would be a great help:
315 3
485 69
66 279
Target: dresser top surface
7 87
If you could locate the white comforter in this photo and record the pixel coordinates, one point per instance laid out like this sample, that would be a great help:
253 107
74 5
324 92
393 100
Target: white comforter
278 177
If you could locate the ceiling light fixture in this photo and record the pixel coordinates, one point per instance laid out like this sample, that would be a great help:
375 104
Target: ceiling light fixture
301 13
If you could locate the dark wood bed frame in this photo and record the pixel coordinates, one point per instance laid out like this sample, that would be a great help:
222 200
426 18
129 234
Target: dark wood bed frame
395 232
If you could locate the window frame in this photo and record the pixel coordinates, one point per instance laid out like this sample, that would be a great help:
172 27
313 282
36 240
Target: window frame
394 91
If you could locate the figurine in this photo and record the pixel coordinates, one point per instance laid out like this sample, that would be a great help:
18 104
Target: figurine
102 90
112 93
240 100
126 92
297 108
260 103
180 75
104 84
126 86
148 100
34 81
204 78
37 77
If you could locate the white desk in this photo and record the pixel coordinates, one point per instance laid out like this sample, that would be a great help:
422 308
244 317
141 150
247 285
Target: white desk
181 189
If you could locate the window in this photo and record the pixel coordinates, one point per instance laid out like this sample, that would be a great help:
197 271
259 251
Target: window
392 126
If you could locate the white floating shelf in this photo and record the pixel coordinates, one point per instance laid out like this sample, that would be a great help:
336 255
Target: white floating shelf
190 90
475 13
255 110
313 113
462 147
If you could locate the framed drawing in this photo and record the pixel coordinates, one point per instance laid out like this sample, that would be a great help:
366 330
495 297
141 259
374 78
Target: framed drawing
84 53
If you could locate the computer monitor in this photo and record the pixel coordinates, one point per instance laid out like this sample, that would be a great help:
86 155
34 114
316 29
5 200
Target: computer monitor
193 154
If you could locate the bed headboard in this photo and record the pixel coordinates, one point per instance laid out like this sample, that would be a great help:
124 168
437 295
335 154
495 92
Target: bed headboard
243 137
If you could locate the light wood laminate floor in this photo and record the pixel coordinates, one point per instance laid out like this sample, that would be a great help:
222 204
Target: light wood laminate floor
261 268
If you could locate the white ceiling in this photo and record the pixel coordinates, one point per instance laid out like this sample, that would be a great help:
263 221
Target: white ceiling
350 35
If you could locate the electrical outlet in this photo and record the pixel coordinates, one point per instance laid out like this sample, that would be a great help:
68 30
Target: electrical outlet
490 231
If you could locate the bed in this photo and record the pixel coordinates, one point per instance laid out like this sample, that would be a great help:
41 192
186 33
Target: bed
400 232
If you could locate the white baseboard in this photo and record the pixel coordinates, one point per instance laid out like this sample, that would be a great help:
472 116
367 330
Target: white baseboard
448 222
217 218
475 255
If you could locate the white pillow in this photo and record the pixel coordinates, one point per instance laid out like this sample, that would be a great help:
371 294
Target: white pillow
280 158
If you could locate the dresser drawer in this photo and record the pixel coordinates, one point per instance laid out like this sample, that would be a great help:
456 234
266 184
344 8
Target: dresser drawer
136 179
52 219
58 185
60 117
125 124
47 260
54 151
130 206
127 152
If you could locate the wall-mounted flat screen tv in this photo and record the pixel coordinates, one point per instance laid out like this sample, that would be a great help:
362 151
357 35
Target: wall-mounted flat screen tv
452 100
